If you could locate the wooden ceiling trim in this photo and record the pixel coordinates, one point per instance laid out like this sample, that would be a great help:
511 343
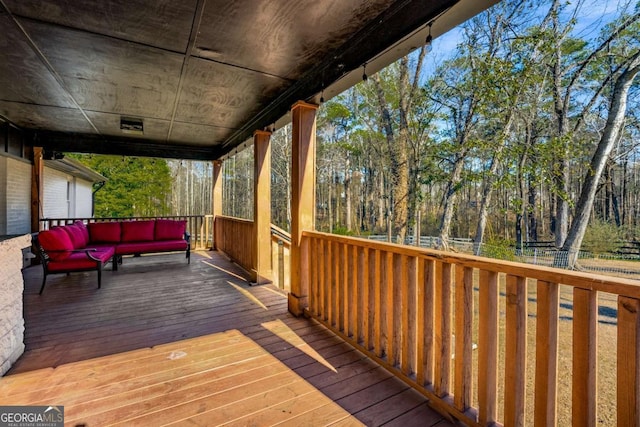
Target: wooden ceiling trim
101 144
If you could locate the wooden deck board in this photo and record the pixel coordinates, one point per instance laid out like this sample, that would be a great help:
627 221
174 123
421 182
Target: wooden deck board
165 342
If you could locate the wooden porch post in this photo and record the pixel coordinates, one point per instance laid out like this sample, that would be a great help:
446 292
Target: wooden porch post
261 207
303 199
217 197
37 193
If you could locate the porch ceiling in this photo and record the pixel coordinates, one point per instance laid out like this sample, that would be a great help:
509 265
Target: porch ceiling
201 74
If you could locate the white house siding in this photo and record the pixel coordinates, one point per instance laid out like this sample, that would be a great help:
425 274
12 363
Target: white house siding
17 179
84 191
55 204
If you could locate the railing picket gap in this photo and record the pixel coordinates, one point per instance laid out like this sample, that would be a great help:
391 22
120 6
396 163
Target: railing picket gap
488 347
585 344
546 385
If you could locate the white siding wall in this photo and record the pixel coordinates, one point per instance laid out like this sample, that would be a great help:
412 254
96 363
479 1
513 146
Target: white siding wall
84 191
55 194
18 196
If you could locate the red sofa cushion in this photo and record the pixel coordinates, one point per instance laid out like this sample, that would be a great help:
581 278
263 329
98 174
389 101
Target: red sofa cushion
169 229
80 260
147 247
54 241
76 236
85 233
104 232
137 231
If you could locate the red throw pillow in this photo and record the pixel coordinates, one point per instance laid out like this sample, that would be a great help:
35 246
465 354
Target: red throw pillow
76 236
85 233
55 242
104 232
137 231
169 229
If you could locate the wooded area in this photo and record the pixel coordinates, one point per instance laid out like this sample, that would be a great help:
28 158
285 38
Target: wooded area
527 131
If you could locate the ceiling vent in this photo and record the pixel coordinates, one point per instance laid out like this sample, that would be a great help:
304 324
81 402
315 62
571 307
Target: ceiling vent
131 126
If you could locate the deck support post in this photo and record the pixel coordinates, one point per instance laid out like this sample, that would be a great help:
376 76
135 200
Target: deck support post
37 189
217 197
303 199
261 272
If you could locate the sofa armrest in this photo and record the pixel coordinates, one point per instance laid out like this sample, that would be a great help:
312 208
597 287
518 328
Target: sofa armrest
187 236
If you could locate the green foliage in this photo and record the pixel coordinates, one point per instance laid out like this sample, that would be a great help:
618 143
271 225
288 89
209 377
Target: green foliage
342 230
499 249
136 186
601 237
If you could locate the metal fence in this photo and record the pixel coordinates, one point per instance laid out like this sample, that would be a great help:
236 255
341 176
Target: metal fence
626 265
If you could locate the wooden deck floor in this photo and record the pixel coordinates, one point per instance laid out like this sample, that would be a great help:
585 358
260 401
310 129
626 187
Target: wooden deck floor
164 342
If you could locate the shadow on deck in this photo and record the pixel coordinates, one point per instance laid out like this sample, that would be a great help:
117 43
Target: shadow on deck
165 342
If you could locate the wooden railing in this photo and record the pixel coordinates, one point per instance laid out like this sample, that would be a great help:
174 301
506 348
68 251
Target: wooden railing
420 313
280 261
199 226
234 237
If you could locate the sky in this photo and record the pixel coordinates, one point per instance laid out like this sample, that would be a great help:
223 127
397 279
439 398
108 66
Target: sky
593 15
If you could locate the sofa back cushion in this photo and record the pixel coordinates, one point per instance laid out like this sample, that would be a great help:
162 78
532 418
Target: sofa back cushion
55 242
138 231
85 232
169 229
104 232
75 235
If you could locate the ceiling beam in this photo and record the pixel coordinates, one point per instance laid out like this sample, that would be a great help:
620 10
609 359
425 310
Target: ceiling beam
100 144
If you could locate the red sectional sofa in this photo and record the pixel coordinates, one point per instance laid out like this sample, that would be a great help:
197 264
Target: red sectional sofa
80 247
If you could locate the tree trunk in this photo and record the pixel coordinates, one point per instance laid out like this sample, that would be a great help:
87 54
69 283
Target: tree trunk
615 121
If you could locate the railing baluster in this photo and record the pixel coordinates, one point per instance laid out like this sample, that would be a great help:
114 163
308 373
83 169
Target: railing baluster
362 289
378 317
442 326
314 289
515 351
628 389
322 286
408 308
391 309
337 286
352 292
463 340
488 348
344 288
424 328
331 296
585 317
546 385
